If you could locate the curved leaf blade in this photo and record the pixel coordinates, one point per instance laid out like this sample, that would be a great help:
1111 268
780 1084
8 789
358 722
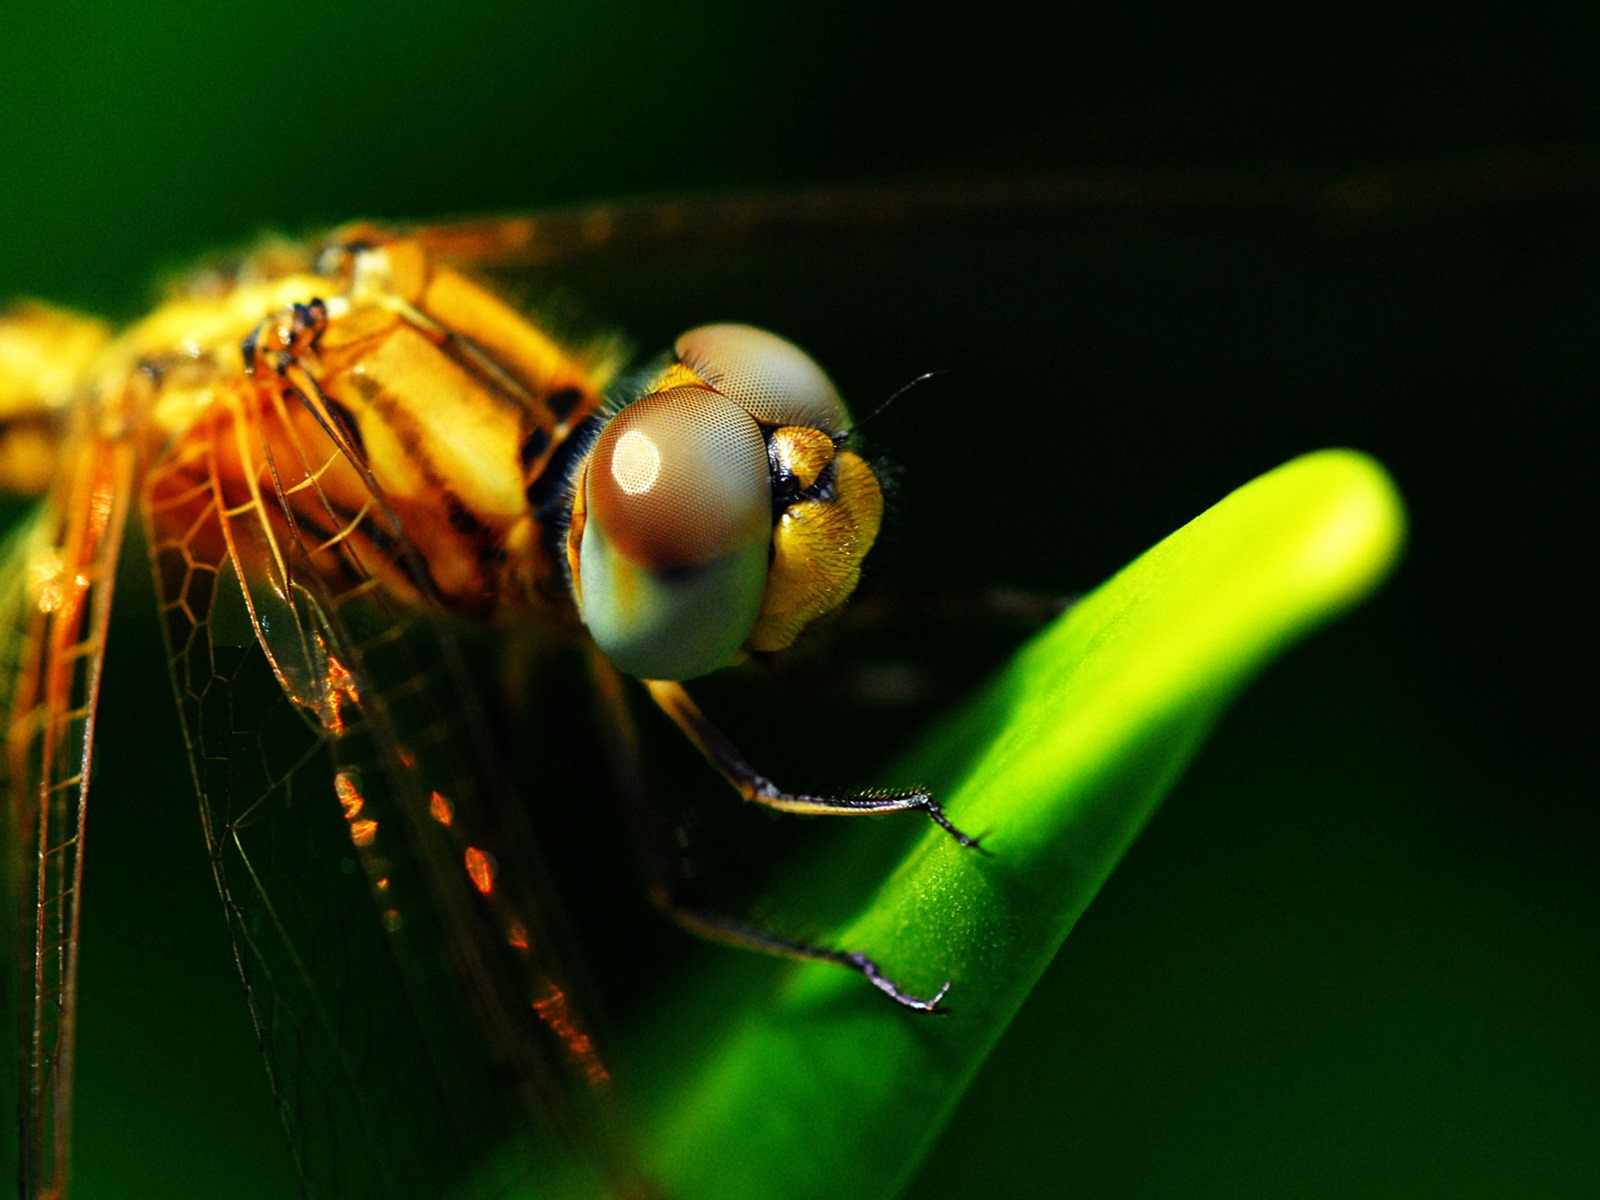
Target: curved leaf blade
821 1086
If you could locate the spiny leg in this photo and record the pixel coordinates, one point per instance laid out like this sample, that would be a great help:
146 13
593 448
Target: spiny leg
719 927
665 880
752 785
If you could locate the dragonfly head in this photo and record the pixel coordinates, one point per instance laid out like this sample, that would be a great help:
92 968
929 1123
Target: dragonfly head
720 513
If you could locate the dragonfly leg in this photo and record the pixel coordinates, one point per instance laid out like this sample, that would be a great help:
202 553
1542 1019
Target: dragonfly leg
666 884
752 785
719 927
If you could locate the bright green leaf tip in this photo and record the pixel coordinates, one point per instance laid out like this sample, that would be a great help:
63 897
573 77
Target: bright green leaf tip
821 1086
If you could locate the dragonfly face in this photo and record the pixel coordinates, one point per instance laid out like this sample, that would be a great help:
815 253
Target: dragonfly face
719 513
334 455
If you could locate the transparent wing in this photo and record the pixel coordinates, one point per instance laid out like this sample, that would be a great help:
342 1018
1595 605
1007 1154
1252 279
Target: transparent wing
382 890
58 575
627 228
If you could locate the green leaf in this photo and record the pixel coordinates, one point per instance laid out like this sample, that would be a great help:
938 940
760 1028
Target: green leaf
816 1083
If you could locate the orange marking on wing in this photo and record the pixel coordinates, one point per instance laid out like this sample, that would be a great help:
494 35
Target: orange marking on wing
338 688
517 935
480 869
440 809
340 679
557 1016
344 786
362 829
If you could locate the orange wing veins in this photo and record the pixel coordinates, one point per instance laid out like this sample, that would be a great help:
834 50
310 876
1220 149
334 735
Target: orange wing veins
258 510
70 553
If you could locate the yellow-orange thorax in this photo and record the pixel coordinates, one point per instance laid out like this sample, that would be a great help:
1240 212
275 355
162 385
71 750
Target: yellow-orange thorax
376 390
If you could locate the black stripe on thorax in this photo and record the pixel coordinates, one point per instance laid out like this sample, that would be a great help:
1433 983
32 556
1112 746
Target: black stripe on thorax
548 494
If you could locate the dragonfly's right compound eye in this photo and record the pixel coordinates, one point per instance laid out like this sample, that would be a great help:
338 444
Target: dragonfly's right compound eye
672 526
770 377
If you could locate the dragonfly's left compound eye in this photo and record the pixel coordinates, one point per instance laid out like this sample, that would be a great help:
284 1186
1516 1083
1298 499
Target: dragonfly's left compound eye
676 513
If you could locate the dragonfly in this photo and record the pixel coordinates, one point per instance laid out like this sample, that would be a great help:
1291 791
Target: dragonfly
341 453
329 546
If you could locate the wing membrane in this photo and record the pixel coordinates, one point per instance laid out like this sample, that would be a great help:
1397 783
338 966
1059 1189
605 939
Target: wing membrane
625 228
382 891
59 571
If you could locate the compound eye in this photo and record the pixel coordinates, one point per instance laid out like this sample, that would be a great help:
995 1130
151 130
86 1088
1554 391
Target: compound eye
772 379
680 478
672 565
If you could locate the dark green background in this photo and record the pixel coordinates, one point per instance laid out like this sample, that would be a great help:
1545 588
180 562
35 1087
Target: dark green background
1357 951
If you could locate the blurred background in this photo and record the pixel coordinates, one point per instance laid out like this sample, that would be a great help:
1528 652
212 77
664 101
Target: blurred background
1356 951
